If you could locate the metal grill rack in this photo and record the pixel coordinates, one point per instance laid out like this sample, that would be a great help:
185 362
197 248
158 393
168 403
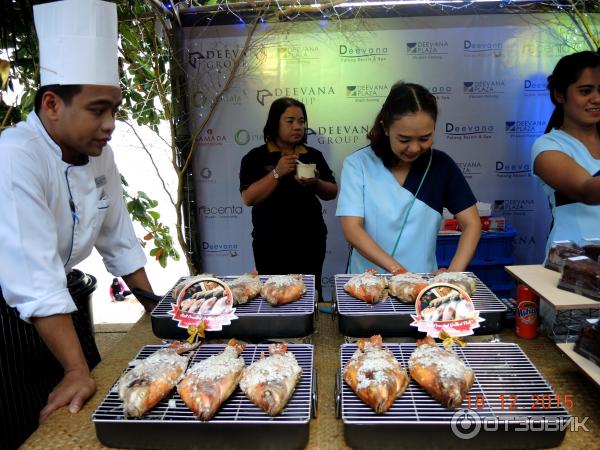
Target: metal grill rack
392 317
238 424
503 374
257 319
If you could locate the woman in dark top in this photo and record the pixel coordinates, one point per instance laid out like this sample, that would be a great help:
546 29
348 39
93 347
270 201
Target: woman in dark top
289 233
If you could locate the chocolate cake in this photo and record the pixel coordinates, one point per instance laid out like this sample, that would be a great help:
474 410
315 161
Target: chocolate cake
582 276
588 343
560 252
592 251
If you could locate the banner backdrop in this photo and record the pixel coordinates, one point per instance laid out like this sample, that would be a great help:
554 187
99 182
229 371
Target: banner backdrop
487 72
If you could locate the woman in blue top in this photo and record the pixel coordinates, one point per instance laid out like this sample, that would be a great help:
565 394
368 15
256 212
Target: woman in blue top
566 159
393 192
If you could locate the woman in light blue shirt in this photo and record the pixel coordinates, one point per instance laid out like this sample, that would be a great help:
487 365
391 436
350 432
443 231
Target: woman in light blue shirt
566 159
393 192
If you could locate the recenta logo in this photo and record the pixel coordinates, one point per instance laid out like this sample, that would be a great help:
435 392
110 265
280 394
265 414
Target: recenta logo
297 54
427 49
472 48
524 128
220 249
342 134
469 168
353 54
367 92
221 212
468 131
514 207
484 89
507 169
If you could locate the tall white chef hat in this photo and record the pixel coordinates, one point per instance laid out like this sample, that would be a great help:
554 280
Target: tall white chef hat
78 42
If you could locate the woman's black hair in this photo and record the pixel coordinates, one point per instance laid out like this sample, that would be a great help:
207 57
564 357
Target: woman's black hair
65 91
278 107
567 71
404 98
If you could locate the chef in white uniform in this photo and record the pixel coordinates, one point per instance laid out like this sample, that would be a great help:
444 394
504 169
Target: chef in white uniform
61 197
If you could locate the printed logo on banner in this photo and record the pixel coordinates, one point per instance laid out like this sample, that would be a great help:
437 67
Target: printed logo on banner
367 92
299 54
525 128
470 168
342 134
244 137
535 87
534 49
209 137
525 240
200 99
220 211
350 53
206 176
308 95
230 249
484 88
427 49
512 169
472 48
462 131
441 92
223 58
513 207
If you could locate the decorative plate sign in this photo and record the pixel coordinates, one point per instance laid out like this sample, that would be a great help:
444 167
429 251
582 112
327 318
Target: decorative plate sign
447 309
204 304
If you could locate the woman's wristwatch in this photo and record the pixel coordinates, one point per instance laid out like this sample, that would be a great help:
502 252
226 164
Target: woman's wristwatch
275 174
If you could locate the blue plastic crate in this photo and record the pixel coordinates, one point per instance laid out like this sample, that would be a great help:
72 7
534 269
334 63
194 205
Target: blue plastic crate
492 248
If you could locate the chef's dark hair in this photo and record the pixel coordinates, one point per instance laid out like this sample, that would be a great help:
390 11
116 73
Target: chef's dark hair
65 91
278 107
567 71
404 98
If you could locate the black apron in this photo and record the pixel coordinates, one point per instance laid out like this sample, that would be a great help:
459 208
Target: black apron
29 371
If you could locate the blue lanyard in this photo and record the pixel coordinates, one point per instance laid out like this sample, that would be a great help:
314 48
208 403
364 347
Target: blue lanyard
412 202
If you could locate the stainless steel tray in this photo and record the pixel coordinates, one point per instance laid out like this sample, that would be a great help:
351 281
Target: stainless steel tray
392 317
503 374
238 424
257 319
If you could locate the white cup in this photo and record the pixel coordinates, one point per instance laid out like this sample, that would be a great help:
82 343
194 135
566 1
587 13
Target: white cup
305 170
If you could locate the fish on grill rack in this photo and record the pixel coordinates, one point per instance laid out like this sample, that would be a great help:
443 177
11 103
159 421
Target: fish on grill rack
144 386
245 288
463 281
283 289
367 287
270 382
440 373
407 286
375 375
208 383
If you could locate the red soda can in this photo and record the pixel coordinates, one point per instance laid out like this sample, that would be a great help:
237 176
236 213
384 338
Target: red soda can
526 317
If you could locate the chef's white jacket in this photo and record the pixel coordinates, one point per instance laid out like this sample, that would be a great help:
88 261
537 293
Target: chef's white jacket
52 214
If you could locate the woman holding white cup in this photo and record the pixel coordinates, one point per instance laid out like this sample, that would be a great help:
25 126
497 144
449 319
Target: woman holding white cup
283 181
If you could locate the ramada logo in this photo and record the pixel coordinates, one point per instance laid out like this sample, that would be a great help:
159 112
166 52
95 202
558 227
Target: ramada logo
427 48
352 51
484 48
210 138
